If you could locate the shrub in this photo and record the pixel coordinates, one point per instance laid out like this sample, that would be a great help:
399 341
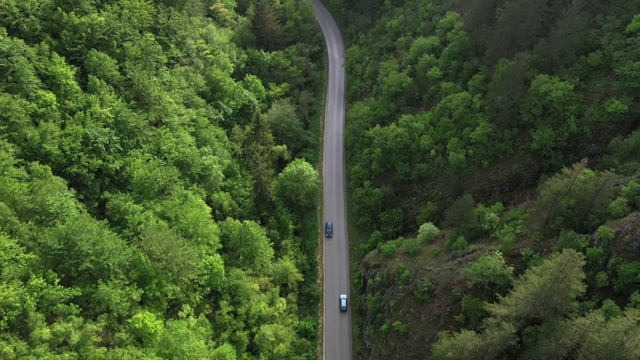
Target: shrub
509 232
594 256
400 327
387 249
569 239
427 233
391 222
459 244
386 327
489 274
423 289
411 247
619 207
429 214
402 274
473 310
634 300
605 235
602 280
610 309
461 215
146 326
628 276
489 217
631 192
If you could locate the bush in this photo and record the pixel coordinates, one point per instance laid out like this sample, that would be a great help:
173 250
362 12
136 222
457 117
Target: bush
411 247
489 274
427 233
461 215
634 300
429 214
391 222
628 276
569 239
402 274
423 289
374 240
454 245
605 235
631 192
473 310
386 327
594 256
610 309
146 326
387 249
489 217
619 208
400 327
602 280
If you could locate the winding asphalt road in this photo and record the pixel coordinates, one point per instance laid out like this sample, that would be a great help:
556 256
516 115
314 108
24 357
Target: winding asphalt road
337 324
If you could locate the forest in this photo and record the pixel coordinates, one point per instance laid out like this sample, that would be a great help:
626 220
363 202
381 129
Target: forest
158 182
493 158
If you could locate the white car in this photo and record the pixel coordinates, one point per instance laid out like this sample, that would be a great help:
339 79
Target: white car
343 302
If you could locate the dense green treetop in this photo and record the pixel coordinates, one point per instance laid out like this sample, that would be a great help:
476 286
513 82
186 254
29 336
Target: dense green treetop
140 145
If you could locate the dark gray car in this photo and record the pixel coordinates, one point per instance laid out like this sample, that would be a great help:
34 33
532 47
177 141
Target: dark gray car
328 229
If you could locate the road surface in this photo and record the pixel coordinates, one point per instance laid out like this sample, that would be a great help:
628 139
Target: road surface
337 324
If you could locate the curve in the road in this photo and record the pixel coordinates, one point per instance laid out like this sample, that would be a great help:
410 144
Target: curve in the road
337 344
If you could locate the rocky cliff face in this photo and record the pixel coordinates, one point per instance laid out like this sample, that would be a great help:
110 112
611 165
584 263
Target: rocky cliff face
627 238
407 300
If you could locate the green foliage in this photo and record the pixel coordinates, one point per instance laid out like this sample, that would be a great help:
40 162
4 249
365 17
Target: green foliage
286 126
423 289
446 107
489 217
146 326
576 198
386 327
387 249
402 274
569 239
602 279
247 243
594 256
428 214
610 309
604 235
427 233
549 289
400 327
461 215
634 301
130 210
552 108
613 337
619 207
468 344
457 244
411 247
298 185
631 192
473 310
627 276
391 222
489 274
